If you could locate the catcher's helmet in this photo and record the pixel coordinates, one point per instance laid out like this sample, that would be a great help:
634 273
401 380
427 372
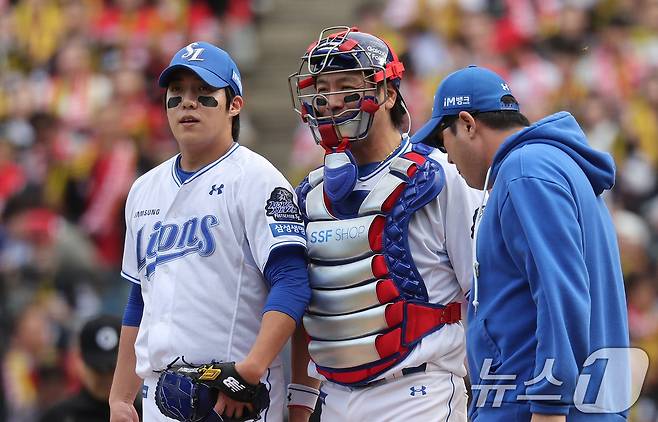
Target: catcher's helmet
343 49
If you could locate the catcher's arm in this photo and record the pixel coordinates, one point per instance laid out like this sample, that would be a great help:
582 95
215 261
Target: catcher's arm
125 384
275 330
300 357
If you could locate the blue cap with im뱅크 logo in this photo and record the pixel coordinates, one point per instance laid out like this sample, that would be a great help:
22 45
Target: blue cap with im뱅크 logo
210 63
472 89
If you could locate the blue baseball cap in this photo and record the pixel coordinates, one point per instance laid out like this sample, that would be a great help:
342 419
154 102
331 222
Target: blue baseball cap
472 89
210 63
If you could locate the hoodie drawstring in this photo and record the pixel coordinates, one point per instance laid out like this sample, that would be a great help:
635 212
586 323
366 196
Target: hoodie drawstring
476 226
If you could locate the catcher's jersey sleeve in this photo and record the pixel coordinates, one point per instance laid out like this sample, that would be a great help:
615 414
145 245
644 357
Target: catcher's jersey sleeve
462 204
271 215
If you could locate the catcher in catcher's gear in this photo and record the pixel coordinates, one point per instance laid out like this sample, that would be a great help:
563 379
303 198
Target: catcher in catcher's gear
188 393
388 229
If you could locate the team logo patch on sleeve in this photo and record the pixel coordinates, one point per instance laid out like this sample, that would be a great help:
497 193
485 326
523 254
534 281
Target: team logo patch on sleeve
281 206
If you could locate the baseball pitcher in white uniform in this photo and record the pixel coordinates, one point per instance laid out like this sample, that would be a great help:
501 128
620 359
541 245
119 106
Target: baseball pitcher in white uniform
389 242
215 248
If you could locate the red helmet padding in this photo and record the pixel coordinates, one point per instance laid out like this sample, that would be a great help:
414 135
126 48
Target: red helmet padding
394 70
329 136
369 106
306 82
344 145
348 45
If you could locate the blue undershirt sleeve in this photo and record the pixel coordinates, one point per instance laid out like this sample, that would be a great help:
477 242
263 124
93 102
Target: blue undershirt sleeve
287 275
132 315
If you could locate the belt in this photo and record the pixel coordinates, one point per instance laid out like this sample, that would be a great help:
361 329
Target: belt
395 375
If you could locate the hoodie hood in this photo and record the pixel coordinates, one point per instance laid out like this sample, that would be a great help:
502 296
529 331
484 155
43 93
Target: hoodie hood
562 131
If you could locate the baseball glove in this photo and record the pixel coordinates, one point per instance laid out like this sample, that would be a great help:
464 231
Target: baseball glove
188 393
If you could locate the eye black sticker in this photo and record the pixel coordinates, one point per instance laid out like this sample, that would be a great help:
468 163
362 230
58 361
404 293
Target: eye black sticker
173 102
281 206
208 101
352 97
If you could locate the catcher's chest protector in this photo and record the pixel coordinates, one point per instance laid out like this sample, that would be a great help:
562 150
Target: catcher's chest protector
369 305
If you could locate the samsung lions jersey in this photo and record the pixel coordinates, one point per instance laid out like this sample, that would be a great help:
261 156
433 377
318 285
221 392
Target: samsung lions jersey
198 249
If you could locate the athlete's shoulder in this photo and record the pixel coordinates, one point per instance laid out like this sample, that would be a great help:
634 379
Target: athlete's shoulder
438 156
450 170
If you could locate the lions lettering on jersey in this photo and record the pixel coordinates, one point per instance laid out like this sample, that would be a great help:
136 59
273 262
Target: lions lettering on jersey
167 242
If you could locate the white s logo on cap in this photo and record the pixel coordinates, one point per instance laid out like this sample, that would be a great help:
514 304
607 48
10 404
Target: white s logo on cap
192 53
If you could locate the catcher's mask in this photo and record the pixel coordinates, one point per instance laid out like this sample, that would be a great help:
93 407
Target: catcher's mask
338 50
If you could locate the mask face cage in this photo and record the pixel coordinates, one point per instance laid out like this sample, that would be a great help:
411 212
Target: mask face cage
340 50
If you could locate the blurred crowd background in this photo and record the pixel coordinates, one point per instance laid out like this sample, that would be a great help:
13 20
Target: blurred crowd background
81 117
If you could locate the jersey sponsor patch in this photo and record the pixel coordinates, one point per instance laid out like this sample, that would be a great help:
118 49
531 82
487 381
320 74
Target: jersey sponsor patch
281 206
283 229
144 213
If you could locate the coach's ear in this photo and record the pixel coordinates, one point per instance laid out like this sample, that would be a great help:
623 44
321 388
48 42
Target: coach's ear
468 121
236 105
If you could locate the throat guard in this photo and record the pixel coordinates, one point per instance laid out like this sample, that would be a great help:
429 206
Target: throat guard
369 304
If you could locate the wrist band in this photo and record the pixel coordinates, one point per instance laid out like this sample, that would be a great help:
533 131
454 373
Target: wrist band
302 396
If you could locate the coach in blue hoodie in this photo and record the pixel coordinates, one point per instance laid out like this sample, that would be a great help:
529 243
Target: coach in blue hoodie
548 291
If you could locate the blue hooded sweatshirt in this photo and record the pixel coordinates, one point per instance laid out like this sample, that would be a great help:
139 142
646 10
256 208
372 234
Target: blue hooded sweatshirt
550 285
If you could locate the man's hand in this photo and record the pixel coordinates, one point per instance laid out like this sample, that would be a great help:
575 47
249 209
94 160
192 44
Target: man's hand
299 414
226 406
126 384
123 412
251 373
